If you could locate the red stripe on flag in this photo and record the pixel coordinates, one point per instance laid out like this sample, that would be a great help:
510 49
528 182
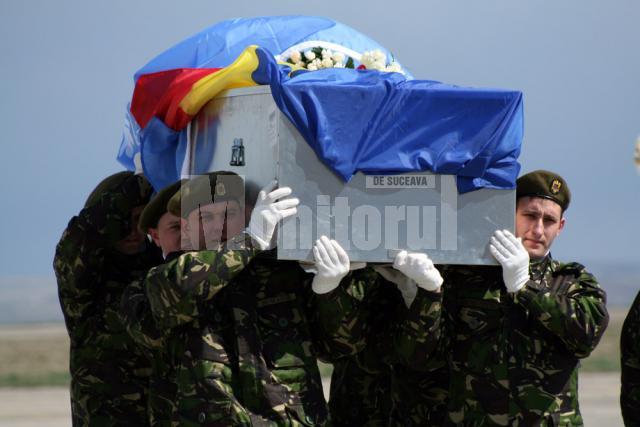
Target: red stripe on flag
159 94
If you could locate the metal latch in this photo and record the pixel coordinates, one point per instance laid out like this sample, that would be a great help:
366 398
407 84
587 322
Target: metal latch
237 153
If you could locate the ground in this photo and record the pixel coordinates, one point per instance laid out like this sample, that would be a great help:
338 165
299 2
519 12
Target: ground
33 377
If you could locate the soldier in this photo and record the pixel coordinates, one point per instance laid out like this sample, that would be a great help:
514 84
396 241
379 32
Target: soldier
164 229
380 379
248 354
99 253
520 330
630 365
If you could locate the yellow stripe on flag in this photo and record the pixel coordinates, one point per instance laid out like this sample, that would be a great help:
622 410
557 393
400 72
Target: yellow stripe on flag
234 76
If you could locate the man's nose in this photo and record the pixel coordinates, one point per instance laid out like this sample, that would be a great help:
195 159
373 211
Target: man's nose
134 231
538 227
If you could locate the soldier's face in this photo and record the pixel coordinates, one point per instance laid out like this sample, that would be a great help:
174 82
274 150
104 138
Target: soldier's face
538 222
214 223
133 243
167 234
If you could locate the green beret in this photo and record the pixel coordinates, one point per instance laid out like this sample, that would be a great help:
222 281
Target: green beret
157 207
545 184
202 190
108 184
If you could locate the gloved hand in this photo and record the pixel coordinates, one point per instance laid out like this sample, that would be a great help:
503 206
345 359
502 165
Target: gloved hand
268 212
420 269
513 257
407 287
332 264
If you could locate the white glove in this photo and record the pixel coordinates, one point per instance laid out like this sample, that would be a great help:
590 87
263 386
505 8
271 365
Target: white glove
310 267
407 287
332 264
513 257
268 212
420 269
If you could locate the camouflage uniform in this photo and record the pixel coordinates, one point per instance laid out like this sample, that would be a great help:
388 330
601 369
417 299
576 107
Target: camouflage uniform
108 373
391 373
630 364
249 356
515 357
138 320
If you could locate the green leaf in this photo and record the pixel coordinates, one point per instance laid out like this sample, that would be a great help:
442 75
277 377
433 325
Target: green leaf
349 63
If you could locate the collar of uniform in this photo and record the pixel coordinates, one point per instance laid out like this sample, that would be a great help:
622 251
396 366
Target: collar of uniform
538 268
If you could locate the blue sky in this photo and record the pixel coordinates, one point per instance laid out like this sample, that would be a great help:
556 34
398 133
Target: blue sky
67 70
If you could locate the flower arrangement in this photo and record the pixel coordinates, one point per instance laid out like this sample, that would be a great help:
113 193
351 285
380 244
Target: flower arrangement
318 58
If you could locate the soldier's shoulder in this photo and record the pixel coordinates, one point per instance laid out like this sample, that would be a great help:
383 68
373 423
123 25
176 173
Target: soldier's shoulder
576 271
570 269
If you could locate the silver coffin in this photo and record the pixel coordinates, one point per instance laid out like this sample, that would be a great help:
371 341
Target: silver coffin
372 217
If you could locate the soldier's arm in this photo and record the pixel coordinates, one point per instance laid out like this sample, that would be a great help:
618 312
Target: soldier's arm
135 312
630 365
339 319
82 249
573 308
179 290
414 338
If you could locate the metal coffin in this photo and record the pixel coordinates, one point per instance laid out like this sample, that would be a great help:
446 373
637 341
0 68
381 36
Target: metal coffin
371 216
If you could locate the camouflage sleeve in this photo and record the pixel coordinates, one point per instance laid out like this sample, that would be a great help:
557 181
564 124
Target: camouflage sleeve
339 318
179 290
415 337
136 316
573 308
81 251
630 365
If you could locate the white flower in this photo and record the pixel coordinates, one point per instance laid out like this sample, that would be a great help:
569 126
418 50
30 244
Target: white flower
326 53
317 63
296 57
370 59
310 55
338 57
366 59
327 63
300 64
379 56
311 67
338 65
374 60
394 67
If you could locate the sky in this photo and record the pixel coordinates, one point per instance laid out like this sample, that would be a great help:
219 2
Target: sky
67 68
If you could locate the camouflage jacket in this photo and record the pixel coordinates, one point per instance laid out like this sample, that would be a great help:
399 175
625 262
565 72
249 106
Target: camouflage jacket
630 365
388 372
108 372
515 357
249 355
158 348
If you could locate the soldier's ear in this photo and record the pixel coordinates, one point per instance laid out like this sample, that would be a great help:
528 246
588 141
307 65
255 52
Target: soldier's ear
562 221
155 236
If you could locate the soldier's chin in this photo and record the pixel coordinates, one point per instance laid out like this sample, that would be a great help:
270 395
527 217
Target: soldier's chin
536 250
